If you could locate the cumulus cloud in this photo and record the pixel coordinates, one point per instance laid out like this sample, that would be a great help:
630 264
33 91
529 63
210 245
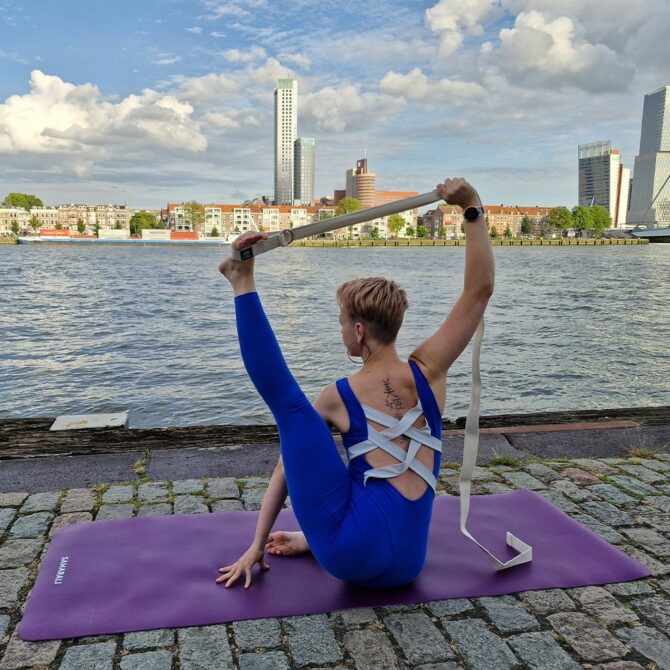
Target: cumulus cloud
344 107
415 85
57 117
550 54
196 30
450 19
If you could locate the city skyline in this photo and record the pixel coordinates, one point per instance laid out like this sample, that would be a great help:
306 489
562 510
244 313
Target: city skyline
149 103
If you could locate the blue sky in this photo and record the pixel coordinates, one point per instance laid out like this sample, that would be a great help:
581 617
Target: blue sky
145 102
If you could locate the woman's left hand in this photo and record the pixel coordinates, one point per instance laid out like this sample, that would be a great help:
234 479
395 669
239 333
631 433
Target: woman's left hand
243 566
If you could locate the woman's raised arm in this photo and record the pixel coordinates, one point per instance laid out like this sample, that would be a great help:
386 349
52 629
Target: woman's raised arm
440 350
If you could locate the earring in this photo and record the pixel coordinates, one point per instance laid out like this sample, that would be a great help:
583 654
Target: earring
361 357
351 359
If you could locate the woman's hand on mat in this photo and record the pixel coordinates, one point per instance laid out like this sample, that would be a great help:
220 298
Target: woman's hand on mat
286 543
243 566
458 192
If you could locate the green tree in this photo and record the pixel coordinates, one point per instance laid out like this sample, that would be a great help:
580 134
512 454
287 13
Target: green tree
25 200
96 229
601 220
81 227
526 226
347 205
34 223
117 225
421 231
215 232
583 219
15 227
508 231
493 232
409 231
560 219
194 215
395 224
141 220
59 226
374 233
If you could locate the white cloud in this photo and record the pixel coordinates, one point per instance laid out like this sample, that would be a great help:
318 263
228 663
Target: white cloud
450 19
246 56
57 117
219 9
415 85
549 53
13 56
164 58
346 107
196 30
209 87
221 120
300 60
216 33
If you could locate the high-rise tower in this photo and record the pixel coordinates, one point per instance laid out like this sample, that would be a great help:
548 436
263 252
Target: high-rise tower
304 162
364 184
286 131
603 180
650 195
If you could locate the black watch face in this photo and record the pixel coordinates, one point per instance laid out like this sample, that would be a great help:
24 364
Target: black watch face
471 213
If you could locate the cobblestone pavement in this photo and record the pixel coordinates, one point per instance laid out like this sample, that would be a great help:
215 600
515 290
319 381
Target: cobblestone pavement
615 627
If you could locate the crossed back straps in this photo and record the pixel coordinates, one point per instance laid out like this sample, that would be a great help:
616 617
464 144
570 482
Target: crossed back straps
382 440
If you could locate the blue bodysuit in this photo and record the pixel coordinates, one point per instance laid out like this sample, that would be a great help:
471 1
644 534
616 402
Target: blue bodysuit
359 527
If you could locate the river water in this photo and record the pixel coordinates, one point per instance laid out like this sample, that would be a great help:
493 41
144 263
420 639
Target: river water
151 329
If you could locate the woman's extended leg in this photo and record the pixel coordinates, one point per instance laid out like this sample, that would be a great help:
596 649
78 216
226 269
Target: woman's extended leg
317 479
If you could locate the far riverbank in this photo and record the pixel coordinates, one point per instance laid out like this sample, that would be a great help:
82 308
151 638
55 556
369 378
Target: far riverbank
500 242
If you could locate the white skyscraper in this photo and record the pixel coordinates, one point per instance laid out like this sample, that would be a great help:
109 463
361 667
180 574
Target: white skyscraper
603 180
650 195
286 131
305 158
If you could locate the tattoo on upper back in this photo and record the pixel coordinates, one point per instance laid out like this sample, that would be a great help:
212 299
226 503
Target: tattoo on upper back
392 398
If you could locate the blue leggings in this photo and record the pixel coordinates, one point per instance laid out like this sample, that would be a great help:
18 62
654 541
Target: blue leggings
344 523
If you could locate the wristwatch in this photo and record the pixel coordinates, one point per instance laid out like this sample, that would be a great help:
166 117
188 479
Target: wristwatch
473 213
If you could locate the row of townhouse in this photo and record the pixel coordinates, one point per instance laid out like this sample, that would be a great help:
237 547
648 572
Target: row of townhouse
446 220
67 217
232 219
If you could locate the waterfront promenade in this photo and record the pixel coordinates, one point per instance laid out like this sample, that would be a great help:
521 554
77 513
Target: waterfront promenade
612 476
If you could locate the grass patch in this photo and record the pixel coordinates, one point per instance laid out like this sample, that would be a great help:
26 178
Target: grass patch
504 460
140 467
642 453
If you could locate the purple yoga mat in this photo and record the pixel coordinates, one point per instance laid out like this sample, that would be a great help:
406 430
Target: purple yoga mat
158 572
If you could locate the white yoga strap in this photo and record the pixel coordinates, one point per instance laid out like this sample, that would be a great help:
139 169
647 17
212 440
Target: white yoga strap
470 448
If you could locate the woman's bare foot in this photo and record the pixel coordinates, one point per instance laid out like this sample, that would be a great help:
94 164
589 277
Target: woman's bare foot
286 543
241 273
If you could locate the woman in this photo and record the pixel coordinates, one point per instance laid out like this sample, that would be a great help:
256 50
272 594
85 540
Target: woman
367 524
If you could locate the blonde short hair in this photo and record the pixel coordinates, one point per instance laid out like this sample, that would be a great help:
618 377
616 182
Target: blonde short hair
378 302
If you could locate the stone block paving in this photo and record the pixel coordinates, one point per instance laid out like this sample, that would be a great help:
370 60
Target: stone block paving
610 627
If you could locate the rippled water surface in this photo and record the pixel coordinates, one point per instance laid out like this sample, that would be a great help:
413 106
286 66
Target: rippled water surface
151 329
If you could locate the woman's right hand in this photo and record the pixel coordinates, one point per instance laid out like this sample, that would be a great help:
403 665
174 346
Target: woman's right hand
243 566
459 192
